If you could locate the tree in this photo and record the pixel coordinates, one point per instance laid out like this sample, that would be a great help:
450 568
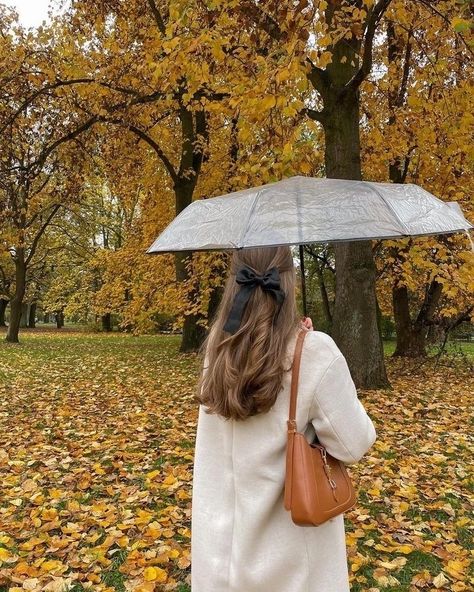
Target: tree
164 76
425 94
335 44
33 179
344 32
6 280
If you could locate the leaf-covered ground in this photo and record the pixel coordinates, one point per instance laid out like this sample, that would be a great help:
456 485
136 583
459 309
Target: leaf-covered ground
96 451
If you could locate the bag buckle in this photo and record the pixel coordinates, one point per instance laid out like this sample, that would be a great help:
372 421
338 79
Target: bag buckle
327 470
291 423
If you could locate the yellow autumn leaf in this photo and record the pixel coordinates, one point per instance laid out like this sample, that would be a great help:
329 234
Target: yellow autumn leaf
456 569
267 102
409 492
282 75
155 574
146 587
4 554
394 564
49 513
169 480
356 565
374 491
51 565
405 549
386 580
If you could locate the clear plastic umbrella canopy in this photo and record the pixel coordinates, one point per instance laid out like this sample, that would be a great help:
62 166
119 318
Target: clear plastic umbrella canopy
304 210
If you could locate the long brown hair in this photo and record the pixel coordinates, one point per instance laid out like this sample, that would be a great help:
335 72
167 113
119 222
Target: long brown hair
245 370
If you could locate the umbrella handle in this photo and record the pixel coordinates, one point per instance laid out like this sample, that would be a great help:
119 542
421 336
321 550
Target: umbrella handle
303 284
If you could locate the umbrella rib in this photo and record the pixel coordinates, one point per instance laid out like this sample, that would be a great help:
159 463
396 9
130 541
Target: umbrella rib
402 224
245 227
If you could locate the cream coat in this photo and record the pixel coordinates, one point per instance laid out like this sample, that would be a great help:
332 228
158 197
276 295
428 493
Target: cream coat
242 538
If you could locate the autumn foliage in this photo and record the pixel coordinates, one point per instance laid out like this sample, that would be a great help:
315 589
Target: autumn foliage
180 102
96 451
116 116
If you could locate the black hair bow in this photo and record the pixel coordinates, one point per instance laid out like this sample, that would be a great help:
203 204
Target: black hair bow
248 279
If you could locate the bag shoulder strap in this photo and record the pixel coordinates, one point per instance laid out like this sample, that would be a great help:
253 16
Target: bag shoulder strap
295 369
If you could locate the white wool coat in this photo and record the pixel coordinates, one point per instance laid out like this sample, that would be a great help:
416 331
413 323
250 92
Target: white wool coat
242 538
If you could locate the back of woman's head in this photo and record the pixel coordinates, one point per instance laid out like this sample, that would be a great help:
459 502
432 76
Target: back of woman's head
245 369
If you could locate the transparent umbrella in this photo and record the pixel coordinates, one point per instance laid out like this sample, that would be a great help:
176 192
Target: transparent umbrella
304 210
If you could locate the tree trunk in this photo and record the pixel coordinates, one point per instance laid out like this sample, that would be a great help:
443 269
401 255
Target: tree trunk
3 307
193 334
107 322
24 315
355 328
410 339
214 301
46 317
435 333
32 316
324 295
379 319
354 318
60 319
411 336
17 300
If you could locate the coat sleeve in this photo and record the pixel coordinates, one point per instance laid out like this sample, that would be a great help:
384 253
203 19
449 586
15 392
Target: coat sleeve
339 418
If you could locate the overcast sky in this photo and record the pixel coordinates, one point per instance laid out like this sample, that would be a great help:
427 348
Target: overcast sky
32 12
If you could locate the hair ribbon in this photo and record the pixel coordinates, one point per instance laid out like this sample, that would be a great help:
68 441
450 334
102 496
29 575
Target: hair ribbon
248 280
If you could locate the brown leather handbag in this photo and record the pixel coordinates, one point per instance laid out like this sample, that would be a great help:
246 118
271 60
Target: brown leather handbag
317 485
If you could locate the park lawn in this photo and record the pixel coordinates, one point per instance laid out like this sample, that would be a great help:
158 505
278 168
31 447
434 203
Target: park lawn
96 450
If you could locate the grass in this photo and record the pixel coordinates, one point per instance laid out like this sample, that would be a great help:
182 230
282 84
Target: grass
92 425
453 347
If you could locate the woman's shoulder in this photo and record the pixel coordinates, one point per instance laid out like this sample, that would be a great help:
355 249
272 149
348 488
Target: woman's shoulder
322 343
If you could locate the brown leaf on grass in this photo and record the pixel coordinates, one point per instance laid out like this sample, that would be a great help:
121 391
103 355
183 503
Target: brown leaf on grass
96 458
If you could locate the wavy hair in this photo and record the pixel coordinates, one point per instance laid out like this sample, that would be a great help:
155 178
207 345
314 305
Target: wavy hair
245 370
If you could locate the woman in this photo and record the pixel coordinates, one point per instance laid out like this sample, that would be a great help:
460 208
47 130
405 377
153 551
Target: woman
242 538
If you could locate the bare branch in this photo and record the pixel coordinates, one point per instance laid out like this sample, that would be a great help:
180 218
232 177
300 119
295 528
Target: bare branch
150 141
157 16
70 136
42 91
145 137
40 233
372 21
431 6
406 71
263 20
318 77
315 115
